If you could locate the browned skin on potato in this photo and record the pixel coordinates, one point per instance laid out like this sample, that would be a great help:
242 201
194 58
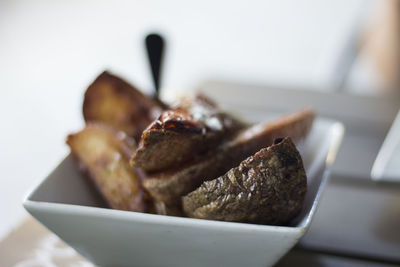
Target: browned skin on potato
267 188
167 187
105 154
113 101
183 134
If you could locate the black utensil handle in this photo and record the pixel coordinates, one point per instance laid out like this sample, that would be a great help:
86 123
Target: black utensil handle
155 50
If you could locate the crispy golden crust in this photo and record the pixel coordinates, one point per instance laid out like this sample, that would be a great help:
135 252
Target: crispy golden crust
113 101
268 187
169 186
105 154
183 134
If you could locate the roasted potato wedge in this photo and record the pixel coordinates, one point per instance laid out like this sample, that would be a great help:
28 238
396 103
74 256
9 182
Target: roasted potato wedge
105 154
183 134
167 187
113 101
268 187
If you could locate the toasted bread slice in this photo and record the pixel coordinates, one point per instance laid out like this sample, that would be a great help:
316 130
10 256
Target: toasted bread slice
268 187
105 154
167 187
183 134
113 101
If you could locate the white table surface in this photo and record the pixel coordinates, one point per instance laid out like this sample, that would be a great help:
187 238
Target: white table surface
51 50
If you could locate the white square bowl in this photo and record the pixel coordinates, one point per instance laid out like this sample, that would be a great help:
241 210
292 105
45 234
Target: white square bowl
66 203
